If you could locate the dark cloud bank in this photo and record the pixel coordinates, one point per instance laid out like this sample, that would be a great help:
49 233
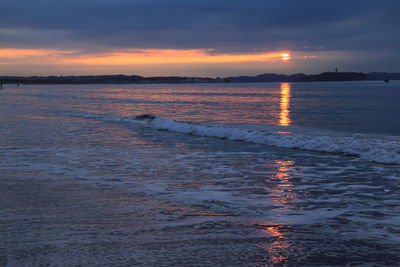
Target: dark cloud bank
367 27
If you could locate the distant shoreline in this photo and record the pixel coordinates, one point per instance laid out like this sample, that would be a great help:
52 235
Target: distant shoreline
135 79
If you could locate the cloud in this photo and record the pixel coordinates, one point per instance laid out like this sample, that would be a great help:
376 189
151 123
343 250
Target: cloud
134 57
221 24
224 26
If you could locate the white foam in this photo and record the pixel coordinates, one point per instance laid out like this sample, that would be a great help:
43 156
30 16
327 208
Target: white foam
380 149
375 148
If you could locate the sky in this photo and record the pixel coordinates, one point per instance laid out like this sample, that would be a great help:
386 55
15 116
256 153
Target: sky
198 37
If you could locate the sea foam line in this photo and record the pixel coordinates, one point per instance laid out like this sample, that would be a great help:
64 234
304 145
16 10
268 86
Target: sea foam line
380 150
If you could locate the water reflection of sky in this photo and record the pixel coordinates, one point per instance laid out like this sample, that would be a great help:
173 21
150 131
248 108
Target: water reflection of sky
256 104
279 250
339 106
168 166
284 115
267 104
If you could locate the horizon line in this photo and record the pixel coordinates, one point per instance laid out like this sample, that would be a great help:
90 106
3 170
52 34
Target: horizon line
185 76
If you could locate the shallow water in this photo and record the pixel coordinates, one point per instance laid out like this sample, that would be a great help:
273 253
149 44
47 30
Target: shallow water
83 182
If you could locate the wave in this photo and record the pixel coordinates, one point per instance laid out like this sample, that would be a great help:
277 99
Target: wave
374 148
379 149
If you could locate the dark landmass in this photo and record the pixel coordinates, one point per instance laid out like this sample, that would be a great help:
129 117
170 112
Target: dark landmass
336 76
268 77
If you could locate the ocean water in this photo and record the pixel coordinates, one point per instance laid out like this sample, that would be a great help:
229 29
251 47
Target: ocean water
276 174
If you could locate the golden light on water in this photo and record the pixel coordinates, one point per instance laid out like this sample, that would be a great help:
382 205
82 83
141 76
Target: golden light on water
283 176
284 115
279 249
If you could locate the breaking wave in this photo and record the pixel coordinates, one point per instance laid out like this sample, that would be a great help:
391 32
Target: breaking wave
375 148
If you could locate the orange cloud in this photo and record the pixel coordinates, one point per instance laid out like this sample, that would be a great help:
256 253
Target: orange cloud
170 56
132 57
15 53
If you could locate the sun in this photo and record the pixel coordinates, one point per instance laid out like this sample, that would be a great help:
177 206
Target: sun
285 56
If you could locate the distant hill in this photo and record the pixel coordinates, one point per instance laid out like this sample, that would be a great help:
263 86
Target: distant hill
335 76
267 77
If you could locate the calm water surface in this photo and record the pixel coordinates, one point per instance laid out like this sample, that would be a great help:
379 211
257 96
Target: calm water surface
84 183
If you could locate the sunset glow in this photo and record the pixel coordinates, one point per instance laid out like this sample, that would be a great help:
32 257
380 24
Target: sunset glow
161 56
15 53
285 56
136 56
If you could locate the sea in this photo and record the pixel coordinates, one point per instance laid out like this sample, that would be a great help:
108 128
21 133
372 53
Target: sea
244 174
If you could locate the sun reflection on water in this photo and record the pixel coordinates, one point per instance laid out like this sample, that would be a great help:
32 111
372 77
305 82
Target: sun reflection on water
284 116
279 249
282 178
